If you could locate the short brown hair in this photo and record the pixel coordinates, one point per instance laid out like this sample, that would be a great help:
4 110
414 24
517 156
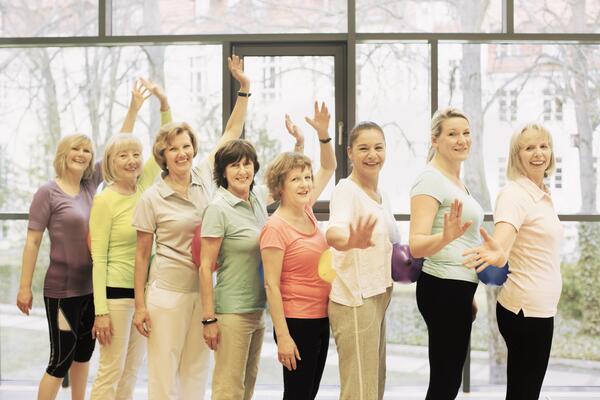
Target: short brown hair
165 136
515 168
230 153
64 146
363 126
281 166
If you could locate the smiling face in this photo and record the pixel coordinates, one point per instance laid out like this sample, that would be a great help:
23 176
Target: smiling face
535 154
239 176
367 152
453 143
78 158
179 154
127 164
297 187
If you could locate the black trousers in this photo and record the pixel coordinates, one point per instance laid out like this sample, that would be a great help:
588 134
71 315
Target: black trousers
529 341
70 322
312 339
446 307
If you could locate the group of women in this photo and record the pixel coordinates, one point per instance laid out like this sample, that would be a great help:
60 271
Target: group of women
141 280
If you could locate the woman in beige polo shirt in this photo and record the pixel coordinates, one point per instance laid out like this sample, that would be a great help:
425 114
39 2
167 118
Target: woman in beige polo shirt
169 311
529 234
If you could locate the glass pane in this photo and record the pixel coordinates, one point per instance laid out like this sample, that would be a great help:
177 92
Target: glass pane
288 85
502 86
46 93
392 89
428 16
557 16
180 17
48 18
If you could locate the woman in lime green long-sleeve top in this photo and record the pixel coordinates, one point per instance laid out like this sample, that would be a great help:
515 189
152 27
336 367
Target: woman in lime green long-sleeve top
113 241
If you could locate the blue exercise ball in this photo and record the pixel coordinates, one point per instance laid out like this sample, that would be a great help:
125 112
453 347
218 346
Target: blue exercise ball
494 276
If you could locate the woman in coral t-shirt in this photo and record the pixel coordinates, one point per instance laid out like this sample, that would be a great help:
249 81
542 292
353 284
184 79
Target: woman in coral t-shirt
291 244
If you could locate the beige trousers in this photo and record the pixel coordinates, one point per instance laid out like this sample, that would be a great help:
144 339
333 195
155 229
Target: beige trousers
178 358
237 355
121 359
359 334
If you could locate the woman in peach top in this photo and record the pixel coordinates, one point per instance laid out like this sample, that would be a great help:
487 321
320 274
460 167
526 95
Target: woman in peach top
527 233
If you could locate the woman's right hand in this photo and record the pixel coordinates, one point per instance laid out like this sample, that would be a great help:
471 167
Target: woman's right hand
142 322
211 335
453 226
360 235
102 329
287 352
25 300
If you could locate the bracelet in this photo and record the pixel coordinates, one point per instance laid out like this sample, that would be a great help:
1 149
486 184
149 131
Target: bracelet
209 321
325 141
244 94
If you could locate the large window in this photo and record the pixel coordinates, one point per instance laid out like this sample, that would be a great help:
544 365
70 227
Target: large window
68 66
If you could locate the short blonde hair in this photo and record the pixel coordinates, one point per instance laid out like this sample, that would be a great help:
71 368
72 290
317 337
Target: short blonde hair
116 144
281 166
515 168
438 120
165 136
62 150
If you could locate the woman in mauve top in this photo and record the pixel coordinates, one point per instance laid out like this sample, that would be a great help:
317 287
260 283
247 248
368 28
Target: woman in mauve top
528 233
113 242
63 207
291 244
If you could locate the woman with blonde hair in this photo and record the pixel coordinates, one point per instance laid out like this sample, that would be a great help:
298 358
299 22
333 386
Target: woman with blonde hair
113 242
62 206
444 222
291 244
528 234
168 311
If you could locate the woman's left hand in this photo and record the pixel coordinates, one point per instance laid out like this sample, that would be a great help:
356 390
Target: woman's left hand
490 253
320 120
236 67
102 329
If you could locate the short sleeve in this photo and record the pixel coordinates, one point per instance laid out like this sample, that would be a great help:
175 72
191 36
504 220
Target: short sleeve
213 222
509 209
428 183
40 209
271 237
341 208
144 218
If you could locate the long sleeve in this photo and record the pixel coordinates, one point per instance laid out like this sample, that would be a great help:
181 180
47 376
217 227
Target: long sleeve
100 230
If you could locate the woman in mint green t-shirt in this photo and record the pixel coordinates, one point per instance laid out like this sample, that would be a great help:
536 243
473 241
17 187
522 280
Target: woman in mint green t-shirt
445 221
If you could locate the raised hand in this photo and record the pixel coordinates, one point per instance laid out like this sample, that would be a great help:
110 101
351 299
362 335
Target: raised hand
320 120
453 226
25 300
236 67
489 253
296 133
360 236
287 352
142 322
156 90
139 94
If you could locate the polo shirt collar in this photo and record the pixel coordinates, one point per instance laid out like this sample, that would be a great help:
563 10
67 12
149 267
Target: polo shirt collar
531 188
230 198
165 190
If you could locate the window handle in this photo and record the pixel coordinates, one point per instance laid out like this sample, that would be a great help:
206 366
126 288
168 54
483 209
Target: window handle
340 132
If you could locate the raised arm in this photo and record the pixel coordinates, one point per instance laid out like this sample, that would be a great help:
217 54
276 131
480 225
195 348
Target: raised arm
328 163
139 94
287 351
30 254
235 124
423 209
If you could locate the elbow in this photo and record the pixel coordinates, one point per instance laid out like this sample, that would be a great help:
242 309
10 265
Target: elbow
415 250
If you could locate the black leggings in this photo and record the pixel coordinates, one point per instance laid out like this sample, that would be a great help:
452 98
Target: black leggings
312 339
70 322
446 307
529 341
